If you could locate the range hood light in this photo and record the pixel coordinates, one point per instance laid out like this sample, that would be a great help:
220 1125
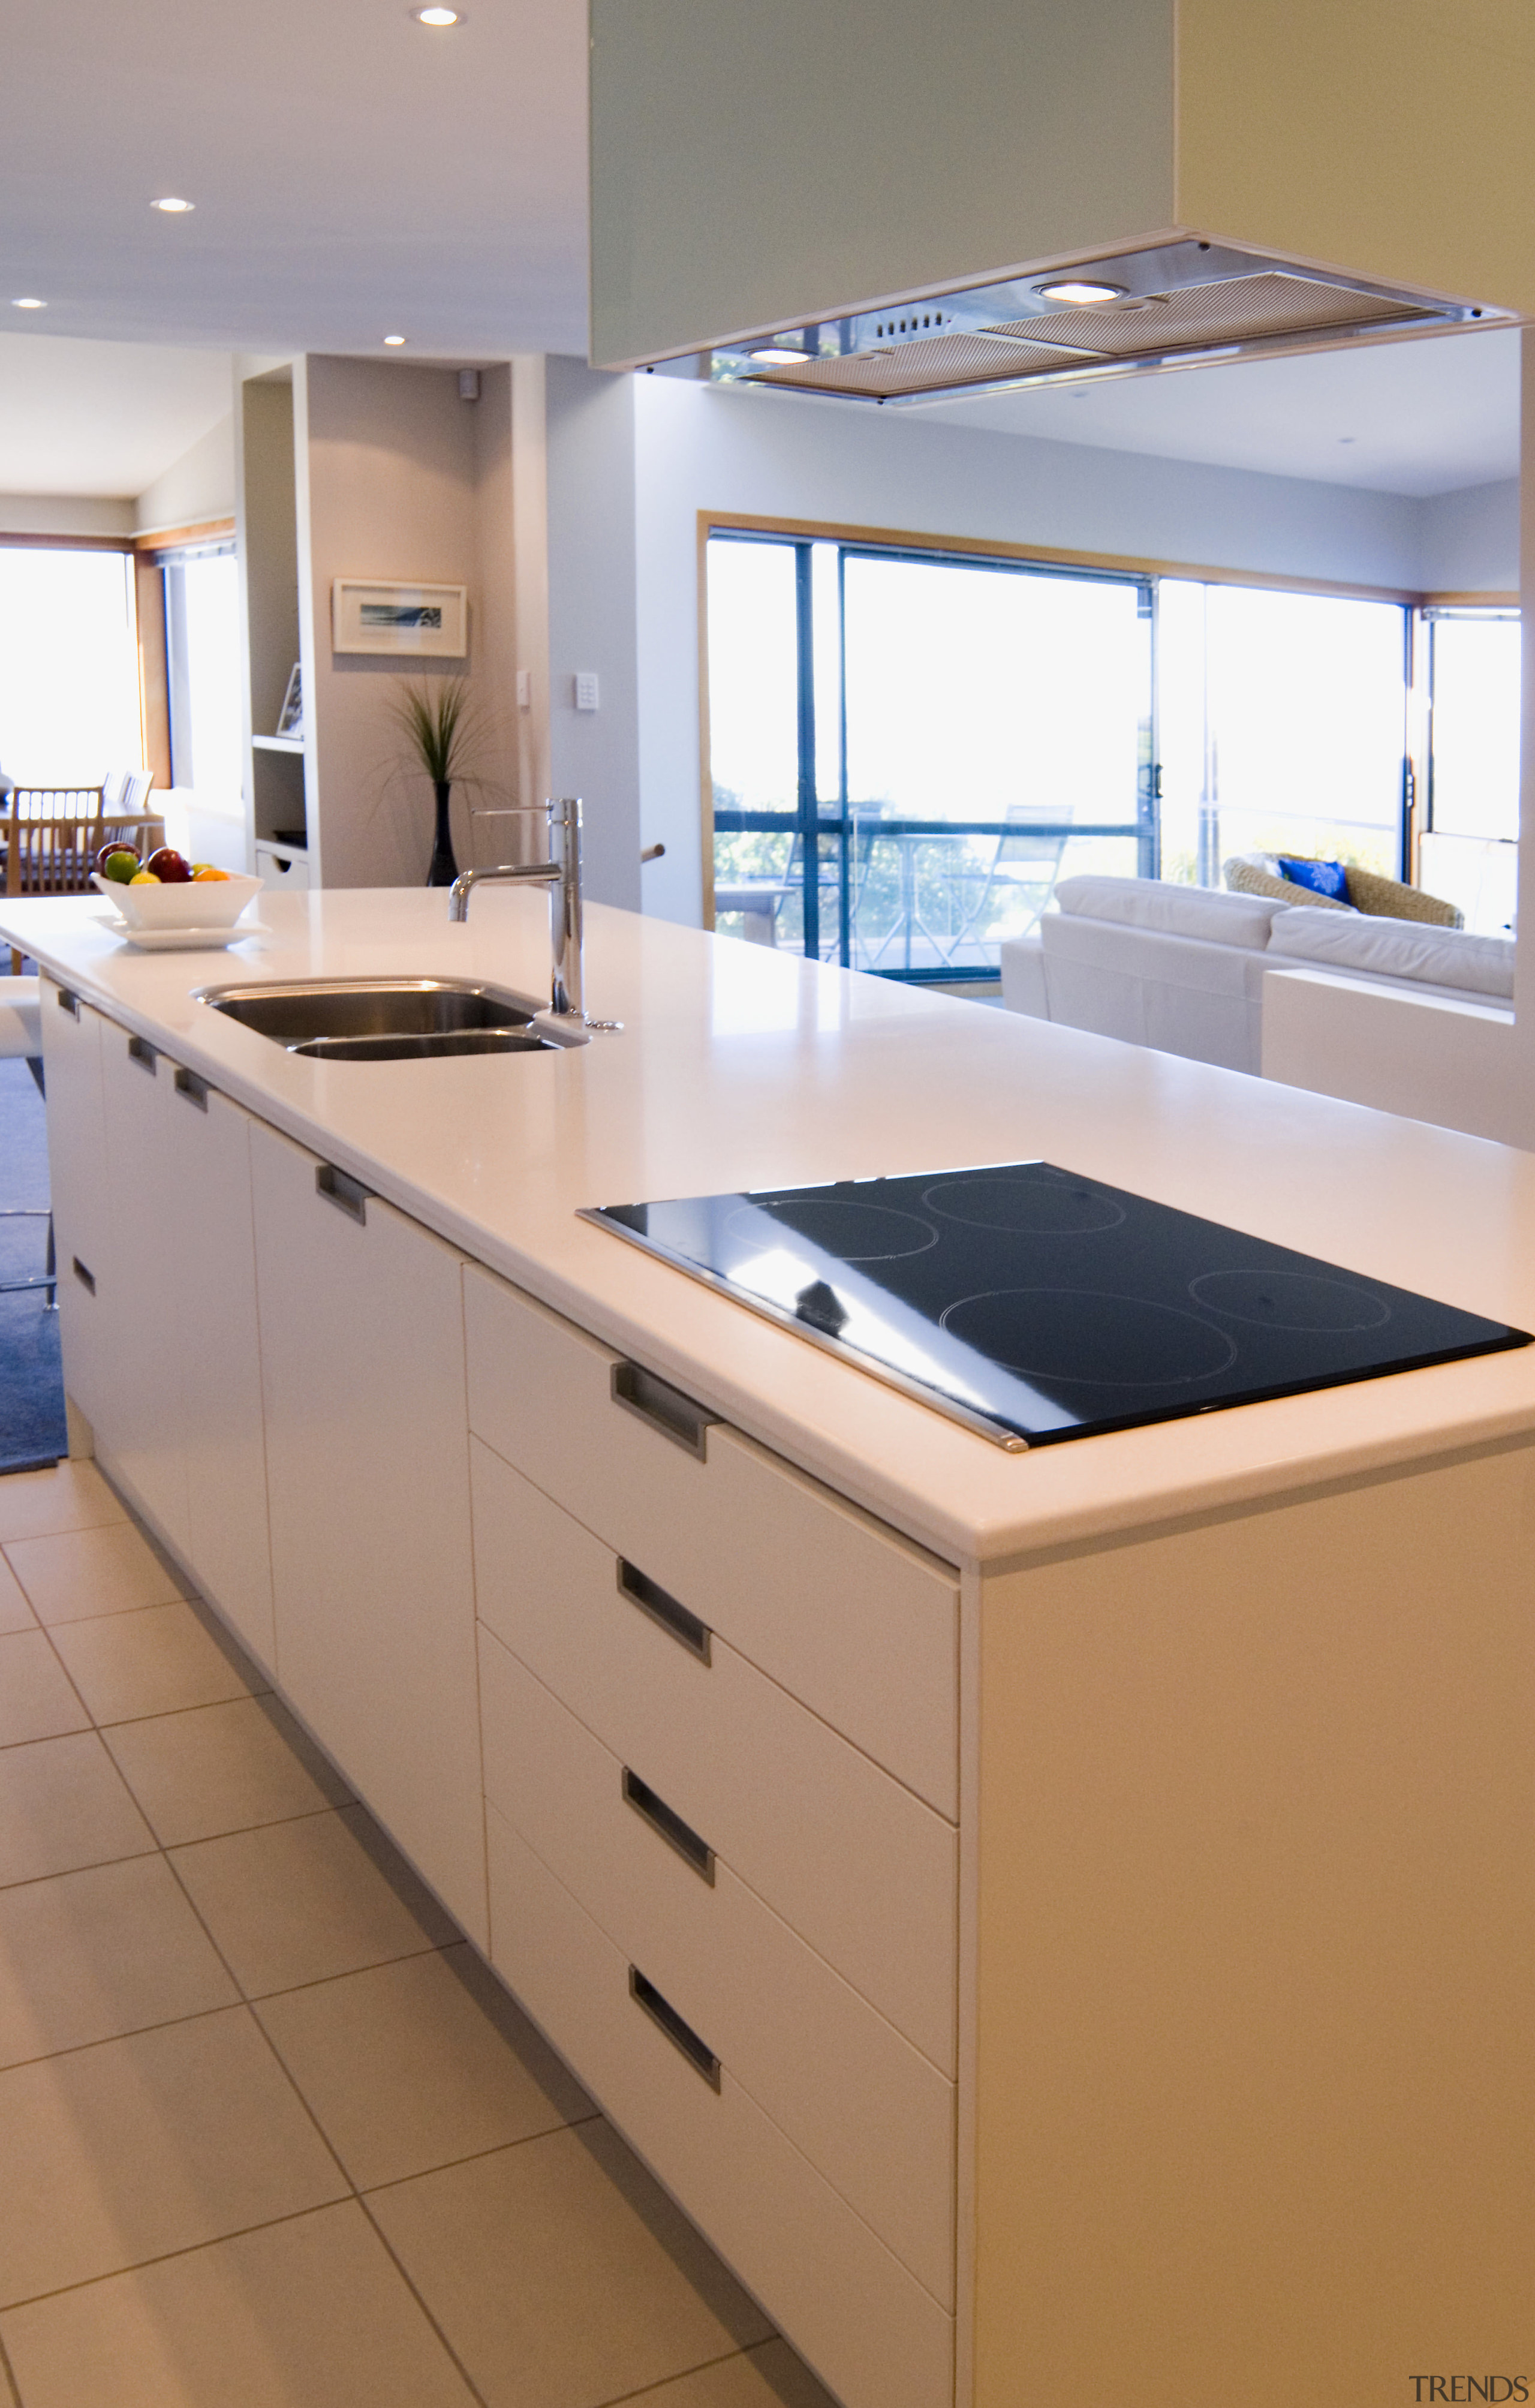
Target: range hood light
1080 294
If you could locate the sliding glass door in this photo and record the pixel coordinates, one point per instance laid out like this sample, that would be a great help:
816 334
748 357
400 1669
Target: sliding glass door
908 749
1283 726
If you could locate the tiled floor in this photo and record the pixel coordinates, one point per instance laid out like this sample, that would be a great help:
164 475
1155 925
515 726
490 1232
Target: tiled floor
271 2137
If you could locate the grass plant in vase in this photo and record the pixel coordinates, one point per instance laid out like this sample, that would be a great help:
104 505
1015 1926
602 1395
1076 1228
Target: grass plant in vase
442 725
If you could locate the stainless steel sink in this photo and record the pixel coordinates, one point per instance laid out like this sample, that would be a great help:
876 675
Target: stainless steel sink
390 1020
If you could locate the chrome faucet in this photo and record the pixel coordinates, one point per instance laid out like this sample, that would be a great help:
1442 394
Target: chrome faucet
563 879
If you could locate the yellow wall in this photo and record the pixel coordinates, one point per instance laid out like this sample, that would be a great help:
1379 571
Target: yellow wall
1392 137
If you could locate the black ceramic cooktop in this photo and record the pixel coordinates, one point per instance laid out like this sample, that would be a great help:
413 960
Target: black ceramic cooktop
1035 1304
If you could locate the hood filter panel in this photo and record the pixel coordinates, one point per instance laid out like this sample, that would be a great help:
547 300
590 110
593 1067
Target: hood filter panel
1240 309
932 366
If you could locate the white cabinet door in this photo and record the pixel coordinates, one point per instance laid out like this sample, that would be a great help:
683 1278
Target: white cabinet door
142 1433
362 1338
208 1171
77 1167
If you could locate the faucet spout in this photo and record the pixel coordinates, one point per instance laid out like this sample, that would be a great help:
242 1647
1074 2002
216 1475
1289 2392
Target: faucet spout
561 875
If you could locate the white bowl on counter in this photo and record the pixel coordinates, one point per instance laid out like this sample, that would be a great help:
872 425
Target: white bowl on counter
201 903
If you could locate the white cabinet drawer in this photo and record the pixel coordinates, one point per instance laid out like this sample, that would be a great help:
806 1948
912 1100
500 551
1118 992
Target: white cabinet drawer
861 1869
866 2326
866 2108
858 1623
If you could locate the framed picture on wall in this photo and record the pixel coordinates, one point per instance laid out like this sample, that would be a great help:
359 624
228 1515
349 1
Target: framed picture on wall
369 616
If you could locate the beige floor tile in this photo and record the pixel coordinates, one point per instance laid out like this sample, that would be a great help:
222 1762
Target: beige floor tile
76 1574
35 1698
63 1803
71 1496
165 2140
224 1769
562 2275
310 2313
92 1955
411 2065
303 1902
156 1661
769 2378
15 1612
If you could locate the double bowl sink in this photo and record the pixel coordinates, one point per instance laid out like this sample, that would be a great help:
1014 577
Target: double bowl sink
392 1020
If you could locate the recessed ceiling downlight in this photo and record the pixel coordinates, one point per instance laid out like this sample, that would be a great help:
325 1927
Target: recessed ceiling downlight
393 342
29 301
776 354
172 206
1078 293
437 17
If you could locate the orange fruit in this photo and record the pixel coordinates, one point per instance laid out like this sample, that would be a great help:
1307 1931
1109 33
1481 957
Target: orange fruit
205 870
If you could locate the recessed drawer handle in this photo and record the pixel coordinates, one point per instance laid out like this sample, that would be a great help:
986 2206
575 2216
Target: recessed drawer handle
669 1825
86 1278
70 1003
141 1052
663 1407
675 1619
681 2036
194 1089
348 1195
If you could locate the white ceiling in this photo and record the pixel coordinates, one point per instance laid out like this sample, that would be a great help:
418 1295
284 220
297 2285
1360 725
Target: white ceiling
355 175
102 418
1421 418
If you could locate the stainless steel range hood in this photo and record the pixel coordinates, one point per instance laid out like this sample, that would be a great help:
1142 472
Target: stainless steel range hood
1171 306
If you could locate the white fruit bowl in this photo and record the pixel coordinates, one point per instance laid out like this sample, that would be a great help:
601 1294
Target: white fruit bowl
202 903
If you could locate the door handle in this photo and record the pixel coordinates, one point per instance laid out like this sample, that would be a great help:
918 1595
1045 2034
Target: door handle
194 1089
347 1194
681 2035
67 1002
86 1278
662 1407
674 1618
143 1053
668 1825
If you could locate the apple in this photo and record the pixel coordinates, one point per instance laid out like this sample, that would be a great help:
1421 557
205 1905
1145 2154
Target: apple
104 856
120 864
168 867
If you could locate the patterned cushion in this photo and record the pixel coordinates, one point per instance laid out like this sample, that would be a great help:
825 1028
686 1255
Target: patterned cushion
1246 878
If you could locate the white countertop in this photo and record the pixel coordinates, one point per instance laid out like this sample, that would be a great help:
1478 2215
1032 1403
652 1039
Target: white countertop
739 1067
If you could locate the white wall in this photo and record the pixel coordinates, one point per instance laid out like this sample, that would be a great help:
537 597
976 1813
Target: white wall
197 487
1471 540
591 467
64 515
699 448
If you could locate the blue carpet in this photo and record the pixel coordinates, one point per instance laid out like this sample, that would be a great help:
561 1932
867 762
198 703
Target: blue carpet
32 1418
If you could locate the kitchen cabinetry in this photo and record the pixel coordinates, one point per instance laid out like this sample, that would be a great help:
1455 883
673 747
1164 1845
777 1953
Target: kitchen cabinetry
159 1297
76 1162
728 1908
361 1343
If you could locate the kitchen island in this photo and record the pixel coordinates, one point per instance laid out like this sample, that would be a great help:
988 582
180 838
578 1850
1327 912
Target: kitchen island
1063 1930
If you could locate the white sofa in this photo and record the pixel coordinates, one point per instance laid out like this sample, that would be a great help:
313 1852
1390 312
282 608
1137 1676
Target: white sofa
1182 967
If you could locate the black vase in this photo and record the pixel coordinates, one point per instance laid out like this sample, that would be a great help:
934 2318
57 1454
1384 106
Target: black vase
444 869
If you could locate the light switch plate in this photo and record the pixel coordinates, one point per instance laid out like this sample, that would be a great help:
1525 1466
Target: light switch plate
586 689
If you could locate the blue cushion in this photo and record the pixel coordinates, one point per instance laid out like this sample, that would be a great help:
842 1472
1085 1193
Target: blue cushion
1322 877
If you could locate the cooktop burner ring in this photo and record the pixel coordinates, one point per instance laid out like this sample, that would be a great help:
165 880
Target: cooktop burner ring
848 1227
1040 1203
1299 1301
1128 1345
